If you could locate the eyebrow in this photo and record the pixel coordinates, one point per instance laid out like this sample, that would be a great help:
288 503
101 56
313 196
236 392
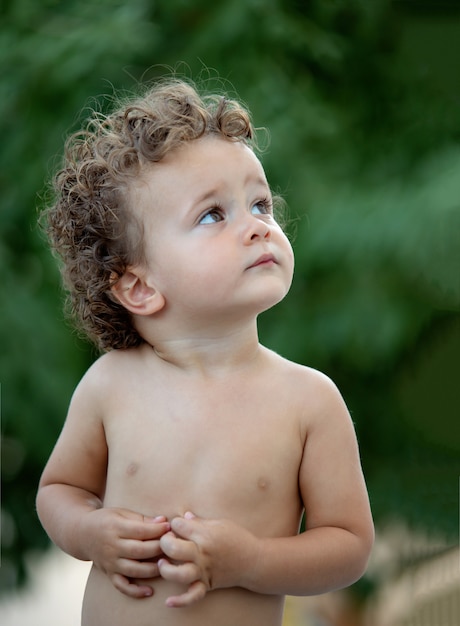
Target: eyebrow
208 195
212 193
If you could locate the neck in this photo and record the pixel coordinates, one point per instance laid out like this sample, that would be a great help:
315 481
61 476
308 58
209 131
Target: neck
207 354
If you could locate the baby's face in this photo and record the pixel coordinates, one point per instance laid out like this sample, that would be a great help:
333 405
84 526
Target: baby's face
213 247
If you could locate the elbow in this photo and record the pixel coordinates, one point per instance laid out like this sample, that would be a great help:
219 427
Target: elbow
365 543
40 504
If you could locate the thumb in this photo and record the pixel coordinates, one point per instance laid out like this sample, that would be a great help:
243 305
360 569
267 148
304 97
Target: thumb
184 526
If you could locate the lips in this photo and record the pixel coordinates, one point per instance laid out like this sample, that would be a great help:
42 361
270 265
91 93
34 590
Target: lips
265 259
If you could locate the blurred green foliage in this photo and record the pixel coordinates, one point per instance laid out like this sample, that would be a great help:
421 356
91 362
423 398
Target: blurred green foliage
362 101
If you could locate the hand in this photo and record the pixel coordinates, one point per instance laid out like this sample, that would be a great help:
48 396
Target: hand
205 555
125 545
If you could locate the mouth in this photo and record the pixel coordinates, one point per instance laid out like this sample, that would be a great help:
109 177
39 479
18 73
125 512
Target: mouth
265 259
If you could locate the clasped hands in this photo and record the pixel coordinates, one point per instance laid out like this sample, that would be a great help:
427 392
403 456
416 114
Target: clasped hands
201 554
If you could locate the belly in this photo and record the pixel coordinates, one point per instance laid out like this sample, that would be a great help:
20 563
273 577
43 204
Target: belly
103 605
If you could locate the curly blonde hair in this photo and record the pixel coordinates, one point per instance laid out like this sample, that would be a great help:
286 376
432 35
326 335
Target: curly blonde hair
90 225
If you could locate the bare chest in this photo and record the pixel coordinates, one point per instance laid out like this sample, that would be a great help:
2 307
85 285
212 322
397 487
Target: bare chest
220 455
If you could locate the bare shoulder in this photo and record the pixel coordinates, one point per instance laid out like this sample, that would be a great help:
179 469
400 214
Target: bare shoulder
115 361
109 371
306 383
99 389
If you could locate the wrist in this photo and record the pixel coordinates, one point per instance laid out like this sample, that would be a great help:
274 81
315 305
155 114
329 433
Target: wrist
251 562
85 531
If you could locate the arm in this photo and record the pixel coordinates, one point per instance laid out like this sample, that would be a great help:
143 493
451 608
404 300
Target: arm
331 553
69 502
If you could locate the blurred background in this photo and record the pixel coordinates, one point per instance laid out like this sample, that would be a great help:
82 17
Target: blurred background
362 99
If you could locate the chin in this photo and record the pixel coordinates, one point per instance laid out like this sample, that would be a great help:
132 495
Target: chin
272 300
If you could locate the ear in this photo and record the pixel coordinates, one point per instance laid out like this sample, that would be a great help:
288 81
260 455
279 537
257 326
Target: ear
135 292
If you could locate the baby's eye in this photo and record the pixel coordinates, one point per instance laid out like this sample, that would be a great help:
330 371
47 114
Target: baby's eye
263 207
211 217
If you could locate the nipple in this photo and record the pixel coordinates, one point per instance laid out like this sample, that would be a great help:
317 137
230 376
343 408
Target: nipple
132 468
262 483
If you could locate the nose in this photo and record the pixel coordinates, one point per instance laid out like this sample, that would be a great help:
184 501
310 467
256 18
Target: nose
256 229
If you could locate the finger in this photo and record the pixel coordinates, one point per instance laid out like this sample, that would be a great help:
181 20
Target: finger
140 550
144 531
177 549
157 519
194 593
186 526
137 569
185 573
133 590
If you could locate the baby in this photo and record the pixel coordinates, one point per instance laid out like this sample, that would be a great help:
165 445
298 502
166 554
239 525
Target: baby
190 452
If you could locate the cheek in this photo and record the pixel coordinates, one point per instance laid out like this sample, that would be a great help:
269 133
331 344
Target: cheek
285 245
292 259
195 272
289 260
